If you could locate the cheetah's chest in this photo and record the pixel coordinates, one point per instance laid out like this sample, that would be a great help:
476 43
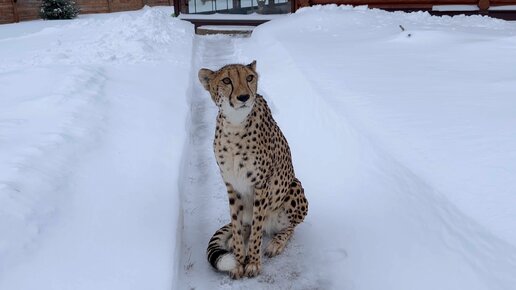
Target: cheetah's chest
236 177
237 170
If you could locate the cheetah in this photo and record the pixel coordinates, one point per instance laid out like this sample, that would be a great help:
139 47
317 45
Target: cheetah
256 165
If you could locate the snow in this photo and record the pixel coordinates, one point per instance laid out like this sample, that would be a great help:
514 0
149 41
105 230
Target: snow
403 139
92 120
455 8
429 114
503 8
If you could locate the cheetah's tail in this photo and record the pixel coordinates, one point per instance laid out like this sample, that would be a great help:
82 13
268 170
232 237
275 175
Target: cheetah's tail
218 253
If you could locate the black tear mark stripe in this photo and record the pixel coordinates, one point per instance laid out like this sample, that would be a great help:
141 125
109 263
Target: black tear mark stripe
247 84
230 94
250 90
237 78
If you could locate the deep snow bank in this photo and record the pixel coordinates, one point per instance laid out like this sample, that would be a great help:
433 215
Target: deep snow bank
43 128
92 121
438 96
427 183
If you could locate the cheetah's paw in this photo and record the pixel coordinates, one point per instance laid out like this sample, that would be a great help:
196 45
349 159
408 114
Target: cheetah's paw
274 248
237 272
252 269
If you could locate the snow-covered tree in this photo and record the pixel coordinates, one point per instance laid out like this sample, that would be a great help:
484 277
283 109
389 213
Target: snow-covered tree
58 9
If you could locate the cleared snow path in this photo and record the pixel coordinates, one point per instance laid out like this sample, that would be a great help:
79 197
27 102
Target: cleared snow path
204 199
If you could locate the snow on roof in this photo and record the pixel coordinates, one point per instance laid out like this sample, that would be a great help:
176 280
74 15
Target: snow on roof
503 8
450 8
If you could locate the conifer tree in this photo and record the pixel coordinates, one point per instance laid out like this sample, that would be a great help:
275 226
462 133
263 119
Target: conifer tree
58 9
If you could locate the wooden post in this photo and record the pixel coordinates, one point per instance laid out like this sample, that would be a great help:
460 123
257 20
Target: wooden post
15 11
301 4
109 5
183 6
483 5
177 7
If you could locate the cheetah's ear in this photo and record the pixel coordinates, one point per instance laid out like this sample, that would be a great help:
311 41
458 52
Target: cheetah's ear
205 76
252 65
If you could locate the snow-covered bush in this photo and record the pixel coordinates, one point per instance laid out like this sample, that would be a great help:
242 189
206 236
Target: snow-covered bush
58 9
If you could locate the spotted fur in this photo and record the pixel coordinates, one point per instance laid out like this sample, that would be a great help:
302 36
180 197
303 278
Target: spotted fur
255 162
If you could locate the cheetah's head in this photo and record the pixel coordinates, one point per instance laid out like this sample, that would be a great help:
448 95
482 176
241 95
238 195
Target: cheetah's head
232 88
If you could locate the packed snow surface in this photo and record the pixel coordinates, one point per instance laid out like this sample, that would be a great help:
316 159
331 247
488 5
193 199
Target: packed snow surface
401 126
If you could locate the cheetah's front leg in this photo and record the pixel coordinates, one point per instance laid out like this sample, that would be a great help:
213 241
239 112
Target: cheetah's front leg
235 206
254 261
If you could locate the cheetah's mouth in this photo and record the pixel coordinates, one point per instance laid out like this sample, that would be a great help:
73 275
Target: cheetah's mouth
245 105
235 107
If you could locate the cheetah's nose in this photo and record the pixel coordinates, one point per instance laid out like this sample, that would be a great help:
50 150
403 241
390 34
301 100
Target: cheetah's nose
243 98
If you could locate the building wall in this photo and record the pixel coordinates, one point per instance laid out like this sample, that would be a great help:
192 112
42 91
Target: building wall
93 6
28 9
21 10
6 11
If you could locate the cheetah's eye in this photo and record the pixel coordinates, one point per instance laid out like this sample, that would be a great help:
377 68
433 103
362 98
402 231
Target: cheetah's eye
250 78
227 81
